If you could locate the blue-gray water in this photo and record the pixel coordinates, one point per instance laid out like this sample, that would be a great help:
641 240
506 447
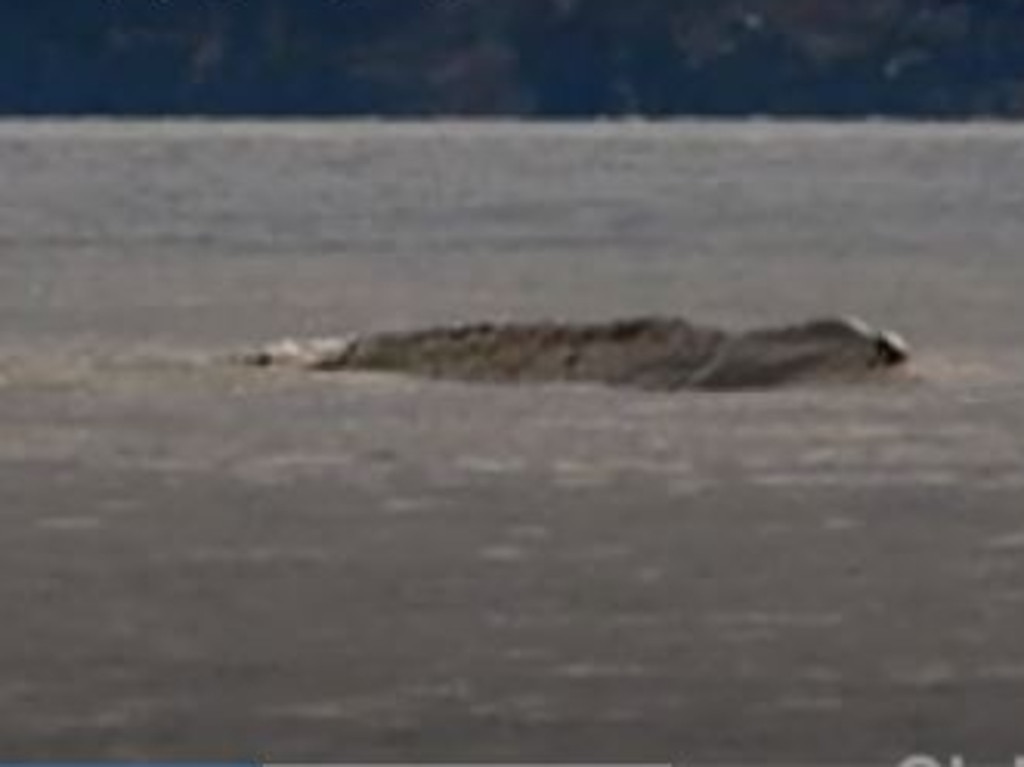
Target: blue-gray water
205 561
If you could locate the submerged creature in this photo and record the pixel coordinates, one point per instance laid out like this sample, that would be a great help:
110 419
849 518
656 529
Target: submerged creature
665 353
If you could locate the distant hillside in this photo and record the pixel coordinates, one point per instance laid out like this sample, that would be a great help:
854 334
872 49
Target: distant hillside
558 58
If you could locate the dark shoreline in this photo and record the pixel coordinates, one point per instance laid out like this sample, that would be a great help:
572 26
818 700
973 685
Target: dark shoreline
419 59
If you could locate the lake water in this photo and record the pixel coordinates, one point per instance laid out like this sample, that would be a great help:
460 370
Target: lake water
203 561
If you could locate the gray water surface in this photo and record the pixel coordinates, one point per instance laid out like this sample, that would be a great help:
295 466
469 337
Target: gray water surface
202 561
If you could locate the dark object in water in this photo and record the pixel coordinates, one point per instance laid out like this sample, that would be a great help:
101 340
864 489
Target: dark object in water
664 353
